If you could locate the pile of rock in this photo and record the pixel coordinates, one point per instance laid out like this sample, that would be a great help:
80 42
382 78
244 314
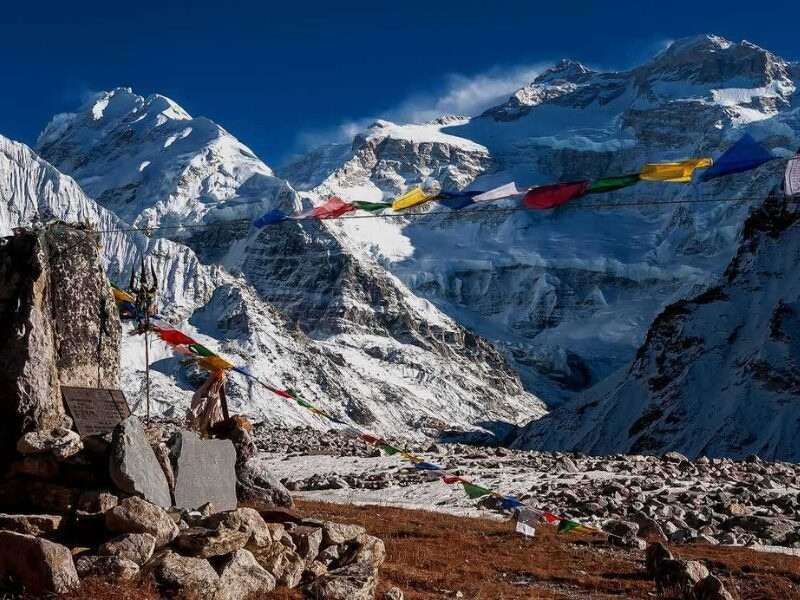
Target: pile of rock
689 578
198 517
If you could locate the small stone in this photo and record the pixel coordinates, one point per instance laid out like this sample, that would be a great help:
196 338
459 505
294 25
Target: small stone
308 540
314 569
202 542
339 533
711 588
36 525
134 515
106 567
622 529
241 577
245 520
135 547
283 563
393 593
60 442
41 566
182 576
96 502
353 582
674 458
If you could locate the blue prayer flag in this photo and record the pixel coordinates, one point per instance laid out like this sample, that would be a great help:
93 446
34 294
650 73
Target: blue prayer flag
426 466
270 218
457 200
744 155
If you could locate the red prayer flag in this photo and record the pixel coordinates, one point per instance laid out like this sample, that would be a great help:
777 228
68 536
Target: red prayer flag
334 207
282 393
175 337
551 518
370 439
550 196
451 479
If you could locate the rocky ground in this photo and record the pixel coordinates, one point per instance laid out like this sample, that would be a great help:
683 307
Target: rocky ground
708 501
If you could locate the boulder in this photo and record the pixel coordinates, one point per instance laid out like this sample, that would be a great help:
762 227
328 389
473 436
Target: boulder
339 533
39 565
96 502
622 529
60 442
241 577
773 529
711 588
680 574
258 488
37 525
307 540
135 547
134 515
109 568
353 582
182 576
654 555
367 549
133 465
202 542
393 593
282 562
205 471
245 520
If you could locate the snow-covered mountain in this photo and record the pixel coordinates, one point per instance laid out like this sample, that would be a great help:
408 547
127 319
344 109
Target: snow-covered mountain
569 294
292 305
717 375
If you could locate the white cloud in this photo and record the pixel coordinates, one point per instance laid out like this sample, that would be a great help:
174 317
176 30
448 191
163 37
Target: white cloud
458 95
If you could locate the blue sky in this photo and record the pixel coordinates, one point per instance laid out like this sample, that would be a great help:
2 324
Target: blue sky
281 76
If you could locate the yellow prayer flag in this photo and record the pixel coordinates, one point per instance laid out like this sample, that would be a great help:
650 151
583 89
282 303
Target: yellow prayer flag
412 198
215 363
674 172
122 295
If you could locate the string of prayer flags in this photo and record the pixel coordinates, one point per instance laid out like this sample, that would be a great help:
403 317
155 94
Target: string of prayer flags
332 208
674 172
550 196
612 184
456 200
475 491
791 184
388 448
744 155
189 347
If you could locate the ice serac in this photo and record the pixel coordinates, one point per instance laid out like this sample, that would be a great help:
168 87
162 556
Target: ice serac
717 375
568 294
293 303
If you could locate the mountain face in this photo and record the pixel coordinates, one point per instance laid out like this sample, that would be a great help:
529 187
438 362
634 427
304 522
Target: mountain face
568 295
293 304
717 375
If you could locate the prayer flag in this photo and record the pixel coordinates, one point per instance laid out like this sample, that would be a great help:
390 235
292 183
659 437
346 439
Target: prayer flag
175 337
451 479
566 526
121 295
456 200
504 191
791 185
744 155
215 363
371 206
551 518
426 466
612 184
526 519
550 196
509 502
200 350
390 450
332 208
370 439
270 218
475 491
414 197
674 172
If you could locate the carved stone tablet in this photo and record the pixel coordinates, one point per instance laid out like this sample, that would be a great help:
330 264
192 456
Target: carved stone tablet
95 411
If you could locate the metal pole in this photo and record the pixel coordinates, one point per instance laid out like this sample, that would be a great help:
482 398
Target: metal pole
224 400
147 359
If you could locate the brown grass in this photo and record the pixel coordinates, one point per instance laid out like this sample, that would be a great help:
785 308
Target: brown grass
434 555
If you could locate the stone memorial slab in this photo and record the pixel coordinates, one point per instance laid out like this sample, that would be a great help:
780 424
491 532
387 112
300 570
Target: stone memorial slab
134 467
205 471
94 410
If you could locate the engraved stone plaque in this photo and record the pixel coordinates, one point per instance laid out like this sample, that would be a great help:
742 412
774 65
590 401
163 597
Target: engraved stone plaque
95 411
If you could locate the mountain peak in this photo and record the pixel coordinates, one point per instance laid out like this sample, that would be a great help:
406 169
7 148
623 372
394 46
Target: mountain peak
565 70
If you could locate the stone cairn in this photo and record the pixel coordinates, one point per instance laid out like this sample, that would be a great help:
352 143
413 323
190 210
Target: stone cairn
199 518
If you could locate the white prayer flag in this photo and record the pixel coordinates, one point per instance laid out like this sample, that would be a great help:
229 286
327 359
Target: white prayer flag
792 181
526 519
504 191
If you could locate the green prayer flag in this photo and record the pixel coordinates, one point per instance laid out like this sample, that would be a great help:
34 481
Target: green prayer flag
201 350
475 491
390 450
371 206
566 526
611 184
